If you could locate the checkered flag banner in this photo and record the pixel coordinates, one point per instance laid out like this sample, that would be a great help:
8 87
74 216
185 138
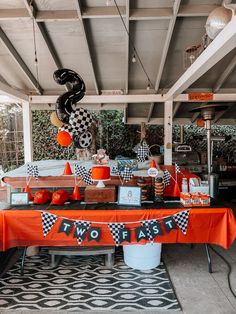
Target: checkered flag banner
166 178
177 168
48 221
79 170
127 174
82 172
32 171
143 152
182 220
85 224
87 177
115 171
146 224
115 231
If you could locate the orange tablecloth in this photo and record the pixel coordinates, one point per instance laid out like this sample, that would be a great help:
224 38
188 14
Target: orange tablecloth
206 225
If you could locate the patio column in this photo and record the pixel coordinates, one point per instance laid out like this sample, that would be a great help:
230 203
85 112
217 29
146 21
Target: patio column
168 110
27 132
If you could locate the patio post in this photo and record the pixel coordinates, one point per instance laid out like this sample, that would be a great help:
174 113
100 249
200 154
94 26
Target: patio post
168 112
27 132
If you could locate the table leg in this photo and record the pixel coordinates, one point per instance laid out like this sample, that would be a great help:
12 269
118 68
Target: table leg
109 260
208 258
23 261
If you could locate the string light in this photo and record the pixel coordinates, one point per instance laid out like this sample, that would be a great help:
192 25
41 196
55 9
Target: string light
136 55
134 58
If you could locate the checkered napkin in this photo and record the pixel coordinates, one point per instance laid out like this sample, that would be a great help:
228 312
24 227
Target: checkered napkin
127 174
32 171
182 220
48 221
143 152
115 231
177 168
80 120
84 174
166 178
85 224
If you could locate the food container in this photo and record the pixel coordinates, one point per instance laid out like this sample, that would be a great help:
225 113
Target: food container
185 199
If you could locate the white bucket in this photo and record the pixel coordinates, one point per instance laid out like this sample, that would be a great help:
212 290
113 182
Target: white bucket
142 257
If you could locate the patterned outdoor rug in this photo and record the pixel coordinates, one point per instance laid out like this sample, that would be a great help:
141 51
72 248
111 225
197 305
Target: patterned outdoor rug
83 283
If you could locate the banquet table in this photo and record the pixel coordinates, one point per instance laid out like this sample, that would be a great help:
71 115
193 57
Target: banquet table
205 225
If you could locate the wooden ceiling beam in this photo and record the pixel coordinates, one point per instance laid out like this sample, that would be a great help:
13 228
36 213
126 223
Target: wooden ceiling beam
224 42
20 62
89 54
225 74
107 12
13 93
167 44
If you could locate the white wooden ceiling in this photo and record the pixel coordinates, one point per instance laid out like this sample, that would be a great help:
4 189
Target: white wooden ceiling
89 37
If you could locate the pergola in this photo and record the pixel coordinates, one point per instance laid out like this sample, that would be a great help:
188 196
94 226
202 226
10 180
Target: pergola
90 38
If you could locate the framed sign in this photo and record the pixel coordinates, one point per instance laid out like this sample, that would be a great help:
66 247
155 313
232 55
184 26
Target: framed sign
129 195
19 198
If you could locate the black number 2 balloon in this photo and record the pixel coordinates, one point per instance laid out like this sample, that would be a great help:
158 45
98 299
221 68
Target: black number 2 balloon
64 104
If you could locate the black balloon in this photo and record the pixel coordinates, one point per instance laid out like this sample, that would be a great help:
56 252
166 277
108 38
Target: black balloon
65 101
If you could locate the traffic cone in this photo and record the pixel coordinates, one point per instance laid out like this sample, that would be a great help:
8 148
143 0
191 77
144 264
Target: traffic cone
153 164
176 190
76 194
67 170
27 190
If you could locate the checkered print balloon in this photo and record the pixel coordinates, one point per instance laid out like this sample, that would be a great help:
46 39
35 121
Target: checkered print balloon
80 120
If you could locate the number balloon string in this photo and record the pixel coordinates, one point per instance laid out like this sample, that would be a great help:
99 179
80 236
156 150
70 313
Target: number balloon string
123 222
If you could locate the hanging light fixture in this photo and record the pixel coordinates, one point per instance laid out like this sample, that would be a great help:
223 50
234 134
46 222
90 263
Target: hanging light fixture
148 86
134 59
108 2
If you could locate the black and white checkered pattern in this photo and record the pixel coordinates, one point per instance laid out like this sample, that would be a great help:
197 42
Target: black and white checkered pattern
182 220
80 120
166 178
115 171
84 174
143 152
32 171
127 174
79 170
67 128
87 177
48 221
147 223
177 168
85 224
115 231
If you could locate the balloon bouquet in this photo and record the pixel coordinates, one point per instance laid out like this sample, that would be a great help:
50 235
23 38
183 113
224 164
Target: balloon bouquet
73 123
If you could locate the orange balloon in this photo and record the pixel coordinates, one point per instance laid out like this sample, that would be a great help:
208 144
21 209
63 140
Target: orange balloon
64 138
